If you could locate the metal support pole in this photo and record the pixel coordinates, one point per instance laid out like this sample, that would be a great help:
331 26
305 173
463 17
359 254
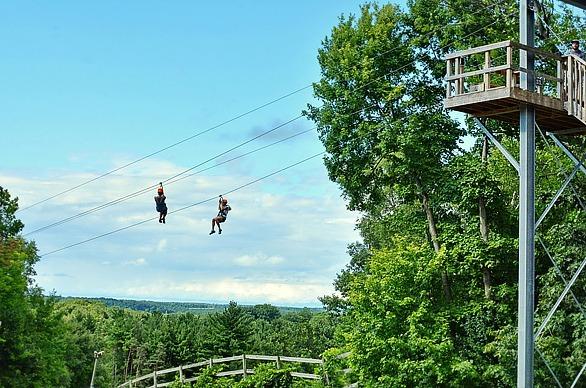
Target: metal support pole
525 350
96 356
94 372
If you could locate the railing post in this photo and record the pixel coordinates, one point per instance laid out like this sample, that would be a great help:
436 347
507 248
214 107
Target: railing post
559 76
578 89
325 370
181 377
155 378
461 71
582 90
244 366
278 362
570 86
449 73
486 66
510 67
458 81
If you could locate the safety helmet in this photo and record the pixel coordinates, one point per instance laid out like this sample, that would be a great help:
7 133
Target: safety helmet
160 190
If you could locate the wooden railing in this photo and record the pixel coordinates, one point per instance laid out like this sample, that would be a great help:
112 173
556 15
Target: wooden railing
575 87
496 65
165 377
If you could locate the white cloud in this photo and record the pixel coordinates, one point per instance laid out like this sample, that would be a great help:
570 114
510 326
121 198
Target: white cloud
282 244
232 289
162 244
341 221
139 261
258 260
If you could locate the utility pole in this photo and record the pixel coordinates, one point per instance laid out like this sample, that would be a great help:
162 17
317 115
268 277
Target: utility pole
525 342
96 356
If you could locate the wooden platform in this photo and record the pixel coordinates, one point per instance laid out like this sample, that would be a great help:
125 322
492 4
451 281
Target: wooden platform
485 82
504 104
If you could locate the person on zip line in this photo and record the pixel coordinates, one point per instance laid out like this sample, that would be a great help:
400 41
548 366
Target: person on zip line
161 205
223 208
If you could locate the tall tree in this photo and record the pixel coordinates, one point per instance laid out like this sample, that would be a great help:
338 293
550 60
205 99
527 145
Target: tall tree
381 121
232 330
32 343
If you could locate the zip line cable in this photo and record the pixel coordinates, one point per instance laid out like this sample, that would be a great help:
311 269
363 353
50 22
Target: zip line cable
168 182
243 155
540 17
185 207
562 43
217 126
167 147
139 192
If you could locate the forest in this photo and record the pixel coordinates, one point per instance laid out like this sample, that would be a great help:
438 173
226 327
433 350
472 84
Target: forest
428 297
176 307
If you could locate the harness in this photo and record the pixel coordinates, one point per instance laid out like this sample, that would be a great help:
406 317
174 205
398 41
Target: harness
224 211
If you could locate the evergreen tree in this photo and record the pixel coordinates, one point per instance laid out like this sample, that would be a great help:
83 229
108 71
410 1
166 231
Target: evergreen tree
231 331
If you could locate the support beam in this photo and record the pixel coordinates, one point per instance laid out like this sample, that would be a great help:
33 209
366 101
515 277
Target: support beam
561 276
525 342
578 376
560 299
558 194
567 151
498 145
549 368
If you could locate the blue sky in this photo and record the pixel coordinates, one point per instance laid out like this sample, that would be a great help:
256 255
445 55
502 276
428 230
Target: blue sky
88 87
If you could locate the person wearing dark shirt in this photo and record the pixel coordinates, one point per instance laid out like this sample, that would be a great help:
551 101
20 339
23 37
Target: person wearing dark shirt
161 205
575 49
223 208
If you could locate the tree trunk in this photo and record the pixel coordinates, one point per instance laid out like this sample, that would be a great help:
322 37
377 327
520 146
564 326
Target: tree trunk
434 240
486 275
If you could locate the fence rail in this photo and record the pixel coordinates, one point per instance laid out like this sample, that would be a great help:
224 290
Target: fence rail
195 368
496 65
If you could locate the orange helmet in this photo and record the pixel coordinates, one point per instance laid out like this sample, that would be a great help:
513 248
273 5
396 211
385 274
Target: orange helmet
160 190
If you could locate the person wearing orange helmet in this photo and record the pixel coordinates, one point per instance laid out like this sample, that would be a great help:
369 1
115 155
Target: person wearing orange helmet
161 205
223 208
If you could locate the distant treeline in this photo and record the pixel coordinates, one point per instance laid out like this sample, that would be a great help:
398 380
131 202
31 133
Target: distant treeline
177 307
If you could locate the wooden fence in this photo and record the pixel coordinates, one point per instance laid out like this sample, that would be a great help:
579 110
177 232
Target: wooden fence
165 377
495 65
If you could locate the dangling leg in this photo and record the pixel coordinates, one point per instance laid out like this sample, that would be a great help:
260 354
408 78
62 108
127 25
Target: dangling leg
218 221
213 225
164 216
160 217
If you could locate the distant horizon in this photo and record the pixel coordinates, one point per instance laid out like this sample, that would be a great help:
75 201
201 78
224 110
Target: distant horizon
216 303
